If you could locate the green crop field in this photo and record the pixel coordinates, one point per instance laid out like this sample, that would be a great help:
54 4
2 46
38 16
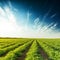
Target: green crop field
29 49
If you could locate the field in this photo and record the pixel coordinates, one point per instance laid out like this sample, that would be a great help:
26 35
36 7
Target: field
29 49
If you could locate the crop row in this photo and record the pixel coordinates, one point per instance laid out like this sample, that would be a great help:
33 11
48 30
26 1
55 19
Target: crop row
9 48
8 42
52 53
14 54
33 53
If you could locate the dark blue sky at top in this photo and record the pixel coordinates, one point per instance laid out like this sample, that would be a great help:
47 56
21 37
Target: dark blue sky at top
39 8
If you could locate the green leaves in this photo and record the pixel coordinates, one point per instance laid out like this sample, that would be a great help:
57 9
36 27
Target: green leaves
51 47
33 53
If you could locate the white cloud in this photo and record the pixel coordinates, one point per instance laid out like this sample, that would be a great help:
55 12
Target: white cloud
10 28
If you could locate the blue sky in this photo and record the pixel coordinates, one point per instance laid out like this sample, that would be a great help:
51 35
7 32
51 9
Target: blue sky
29 18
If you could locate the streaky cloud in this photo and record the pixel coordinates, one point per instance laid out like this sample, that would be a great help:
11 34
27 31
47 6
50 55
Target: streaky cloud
10 28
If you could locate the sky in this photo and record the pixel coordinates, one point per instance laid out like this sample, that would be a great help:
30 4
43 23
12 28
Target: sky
30 18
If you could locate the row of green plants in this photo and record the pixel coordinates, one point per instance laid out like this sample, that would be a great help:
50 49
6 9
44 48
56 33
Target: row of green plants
6 45
55 44
33 53
9 48
8 42
52 53
14 54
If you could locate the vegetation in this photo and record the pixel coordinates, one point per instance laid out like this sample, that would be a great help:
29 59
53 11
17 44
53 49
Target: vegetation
33 53
51 47
29 49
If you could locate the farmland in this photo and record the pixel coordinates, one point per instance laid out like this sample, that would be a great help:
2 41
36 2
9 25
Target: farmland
29 49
